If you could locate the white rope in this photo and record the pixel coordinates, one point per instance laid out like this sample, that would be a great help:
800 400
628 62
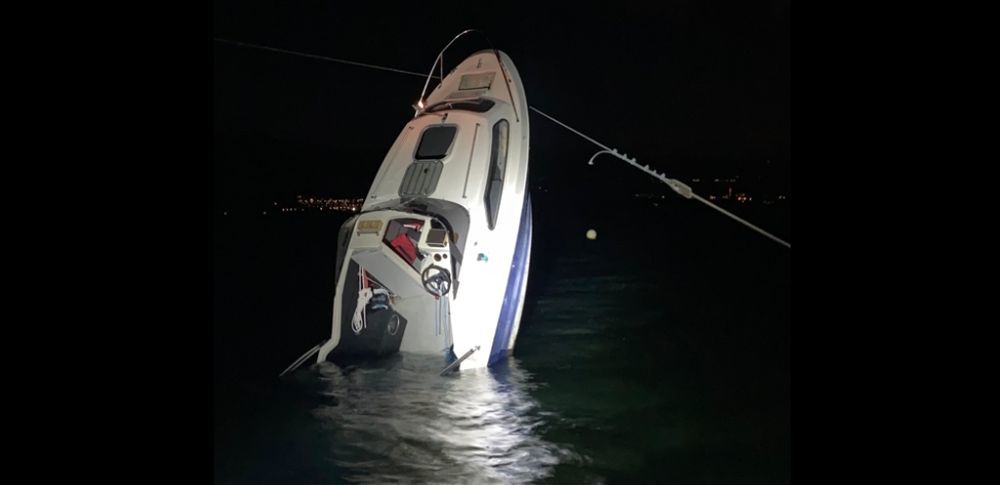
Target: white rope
447 325
359 323
678 186
437 316
314 56
365 295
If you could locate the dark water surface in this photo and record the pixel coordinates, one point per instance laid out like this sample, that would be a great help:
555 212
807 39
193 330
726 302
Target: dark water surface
658 353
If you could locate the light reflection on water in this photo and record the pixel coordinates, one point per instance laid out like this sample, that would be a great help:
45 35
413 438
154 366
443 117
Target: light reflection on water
401 421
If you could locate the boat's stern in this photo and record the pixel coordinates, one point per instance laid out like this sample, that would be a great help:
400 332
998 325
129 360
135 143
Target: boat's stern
396 275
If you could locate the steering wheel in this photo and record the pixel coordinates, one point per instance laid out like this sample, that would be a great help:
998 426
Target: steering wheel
437 280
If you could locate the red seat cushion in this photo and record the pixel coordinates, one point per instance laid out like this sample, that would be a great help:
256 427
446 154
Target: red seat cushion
404 247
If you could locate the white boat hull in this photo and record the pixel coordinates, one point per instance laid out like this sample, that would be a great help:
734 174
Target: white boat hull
450 202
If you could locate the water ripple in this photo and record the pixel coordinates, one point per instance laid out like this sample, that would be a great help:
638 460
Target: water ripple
404 423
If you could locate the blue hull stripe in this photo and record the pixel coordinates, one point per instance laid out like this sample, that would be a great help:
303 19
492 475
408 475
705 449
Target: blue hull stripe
515 282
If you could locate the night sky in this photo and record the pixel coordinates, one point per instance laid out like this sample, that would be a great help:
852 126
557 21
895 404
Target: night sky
695 89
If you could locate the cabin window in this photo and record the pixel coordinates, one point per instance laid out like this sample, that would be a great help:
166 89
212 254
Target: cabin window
498 165
435 142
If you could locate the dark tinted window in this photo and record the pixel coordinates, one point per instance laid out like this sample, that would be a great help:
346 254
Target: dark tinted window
435 142
498 165
479 105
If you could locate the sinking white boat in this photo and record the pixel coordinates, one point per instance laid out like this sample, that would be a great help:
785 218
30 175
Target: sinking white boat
437 260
